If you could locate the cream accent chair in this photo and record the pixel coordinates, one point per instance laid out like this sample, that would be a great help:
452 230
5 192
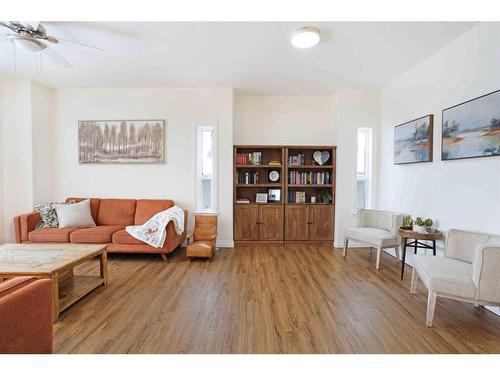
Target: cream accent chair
378 229
469 271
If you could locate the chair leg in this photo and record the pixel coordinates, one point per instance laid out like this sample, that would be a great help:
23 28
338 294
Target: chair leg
414 279
431 305
398 252
379 254
164 257
346 242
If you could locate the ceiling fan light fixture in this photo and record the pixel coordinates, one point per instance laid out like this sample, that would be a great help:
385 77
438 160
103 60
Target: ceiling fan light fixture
305 37
27 43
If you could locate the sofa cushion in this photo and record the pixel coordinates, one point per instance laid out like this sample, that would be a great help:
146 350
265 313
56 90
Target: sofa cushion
94 205
147 208
116 212
372 236
445 275
122 237
75 214
99 234
50 234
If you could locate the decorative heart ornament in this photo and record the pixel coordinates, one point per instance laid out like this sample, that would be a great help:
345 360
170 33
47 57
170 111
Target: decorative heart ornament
321 157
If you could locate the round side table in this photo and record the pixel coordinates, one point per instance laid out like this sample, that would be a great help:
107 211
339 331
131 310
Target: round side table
417 237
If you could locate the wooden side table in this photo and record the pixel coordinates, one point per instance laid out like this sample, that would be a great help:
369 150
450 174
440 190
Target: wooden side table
417 237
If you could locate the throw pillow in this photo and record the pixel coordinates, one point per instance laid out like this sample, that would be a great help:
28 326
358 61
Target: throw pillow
75 214
48 215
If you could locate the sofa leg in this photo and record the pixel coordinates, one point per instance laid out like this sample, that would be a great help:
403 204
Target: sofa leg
164 257
431 306
346 242
414 279
379 254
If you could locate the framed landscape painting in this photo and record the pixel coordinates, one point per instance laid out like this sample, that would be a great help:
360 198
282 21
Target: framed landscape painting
121 142
472 129
413 141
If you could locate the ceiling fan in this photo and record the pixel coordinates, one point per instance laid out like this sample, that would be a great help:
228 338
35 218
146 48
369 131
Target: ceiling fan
32 37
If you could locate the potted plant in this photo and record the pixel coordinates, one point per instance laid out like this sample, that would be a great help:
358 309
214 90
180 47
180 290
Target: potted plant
325 196
422 226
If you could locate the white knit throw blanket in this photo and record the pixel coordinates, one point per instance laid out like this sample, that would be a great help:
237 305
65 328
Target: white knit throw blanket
154 231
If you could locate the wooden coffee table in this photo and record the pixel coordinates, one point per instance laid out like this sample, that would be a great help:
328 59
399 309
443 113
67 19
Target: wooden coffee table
56 262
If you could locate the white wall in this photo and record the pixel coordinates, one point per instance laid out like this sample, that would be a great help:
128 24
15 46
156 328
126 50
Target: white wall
313 120
461 193
280 120
353 109
42 105
183 110
16 149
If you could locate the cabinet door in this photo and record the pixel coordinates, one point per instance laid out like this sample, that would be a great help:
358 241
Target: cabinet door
271 222
321 218
245 222
296 223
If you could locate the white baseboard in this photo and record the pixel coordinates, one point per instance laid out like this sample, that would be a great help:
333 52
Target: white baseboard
225 243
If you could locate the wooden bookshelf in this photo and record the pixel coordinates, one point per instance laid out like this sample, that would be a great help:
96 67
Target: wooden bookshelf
285 220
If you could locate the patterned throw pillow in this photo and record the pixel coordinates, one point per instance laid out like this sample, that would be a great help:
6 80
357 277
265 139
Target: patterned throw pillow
48 215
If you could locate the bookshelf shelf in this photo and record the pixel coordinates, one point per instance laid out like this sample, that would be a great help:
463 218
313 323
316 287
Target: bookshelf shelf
310 166
311 185
258 185
244 166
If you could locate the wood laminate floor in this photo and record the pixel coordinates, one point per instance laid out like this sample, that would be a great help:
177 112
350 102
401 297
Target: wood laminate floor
268 299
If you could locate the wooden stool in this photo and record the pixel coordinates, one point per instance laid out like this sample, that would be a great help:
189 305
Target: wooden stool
203 238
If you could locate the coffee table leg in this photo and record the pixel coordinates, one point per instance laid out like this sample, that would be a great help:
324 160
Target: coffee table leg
55 296
404 257
104 267
434 247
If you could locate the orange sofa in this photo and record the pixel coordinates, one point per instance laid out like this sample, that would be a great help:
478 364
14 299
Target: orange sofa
111 217
26 316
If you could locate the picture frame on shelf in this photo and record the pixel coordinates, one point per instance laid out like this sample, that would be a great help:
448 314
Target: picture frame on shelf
261 198
274 195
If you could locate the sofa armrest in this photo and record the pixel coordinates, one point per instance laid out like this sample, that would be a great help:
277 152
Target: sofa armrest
23 224
485 271
173 239
26 316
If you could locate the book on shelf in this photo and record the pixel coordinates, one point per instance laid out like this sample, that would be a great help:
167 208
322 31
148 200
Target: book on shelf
309 178
275 163
252 158
242 200
247 178
298 159
296 197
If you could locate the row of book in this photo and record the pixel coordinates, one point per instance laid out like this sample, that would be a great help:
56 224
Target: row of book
309 178
296 197
247 178
252 158
299 159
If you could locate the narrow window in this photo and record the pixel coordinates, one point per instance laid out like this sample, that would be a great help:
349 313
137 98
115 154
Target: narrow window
363 175
206 191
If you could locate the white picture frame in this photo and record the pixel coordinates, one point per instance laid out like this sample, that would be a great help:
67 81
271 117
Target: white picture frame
261 198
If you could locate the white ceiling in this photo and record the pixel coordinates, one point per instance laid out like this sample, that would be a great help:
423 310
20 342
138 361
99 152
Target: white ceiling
253 57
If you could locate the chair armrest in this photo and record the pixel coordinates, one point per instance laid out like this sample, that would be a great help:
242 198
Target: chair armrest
26 316
485 271
23 224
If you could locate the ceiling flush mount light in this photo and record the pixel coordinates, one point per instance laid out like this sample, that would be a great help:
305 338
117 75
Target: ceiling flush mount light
305 37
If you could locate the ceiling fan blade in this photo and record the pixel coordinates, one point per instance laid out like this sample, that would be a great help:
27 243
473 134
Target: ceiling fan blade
75 42
57 58
51 39
33 24
7 26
